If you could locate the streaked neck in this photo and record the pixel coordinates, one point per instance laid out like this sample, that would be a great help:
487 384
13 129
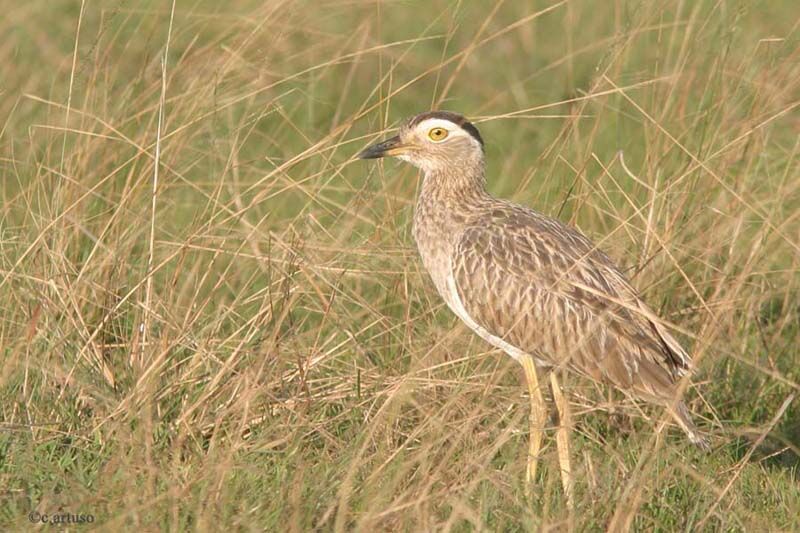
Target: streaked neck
464 182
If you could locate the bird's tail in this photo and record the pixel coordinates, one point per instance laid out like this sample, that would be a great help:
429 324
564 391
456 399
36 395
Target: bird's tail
684 420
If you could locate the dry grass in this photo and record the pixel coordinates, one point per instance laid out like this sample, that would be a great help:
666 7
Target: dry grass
213 317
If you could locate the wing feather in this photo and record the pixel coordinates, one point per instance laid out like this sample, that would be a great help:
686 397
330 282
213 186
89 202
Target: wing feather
545 289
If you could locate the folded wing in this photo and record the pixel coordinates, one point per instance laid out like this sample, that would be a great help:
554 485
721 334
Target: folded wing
546 290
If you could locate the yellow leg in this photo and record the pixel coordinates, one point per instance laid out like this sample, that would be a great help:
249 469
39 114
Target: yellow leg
562 438
536 420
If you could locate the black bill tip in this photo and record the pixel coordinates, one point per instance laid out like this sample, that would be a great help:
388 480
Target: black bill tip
382 149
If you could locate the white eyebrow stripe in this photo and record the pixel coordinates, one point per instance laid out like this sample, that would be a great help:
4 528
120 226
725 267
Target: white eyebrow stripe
430 123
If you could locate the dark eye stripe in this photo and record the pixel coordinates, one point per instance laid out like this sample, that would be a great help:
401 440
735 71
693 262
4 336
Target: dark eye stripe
472 130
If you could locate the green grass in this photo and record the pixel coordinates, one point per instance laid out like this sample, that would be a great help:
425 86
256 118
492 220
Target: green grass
299 370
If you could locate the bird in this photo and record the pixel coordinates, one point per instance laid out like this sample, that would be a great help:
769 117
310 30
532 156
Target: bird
532 286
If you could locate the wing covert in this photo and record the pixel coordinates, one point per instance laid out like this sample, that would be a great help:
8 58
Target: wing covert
545 289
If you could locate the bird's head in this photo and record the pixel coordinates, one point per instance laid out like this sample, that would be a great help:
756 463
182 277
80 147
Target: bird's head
433 141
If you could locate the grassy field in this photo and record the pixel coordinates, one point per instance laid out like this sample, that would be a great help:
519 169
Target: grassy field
214 318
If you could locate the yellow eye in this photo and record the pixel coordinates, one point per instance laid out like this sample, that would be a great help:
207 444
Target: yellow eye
438 134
